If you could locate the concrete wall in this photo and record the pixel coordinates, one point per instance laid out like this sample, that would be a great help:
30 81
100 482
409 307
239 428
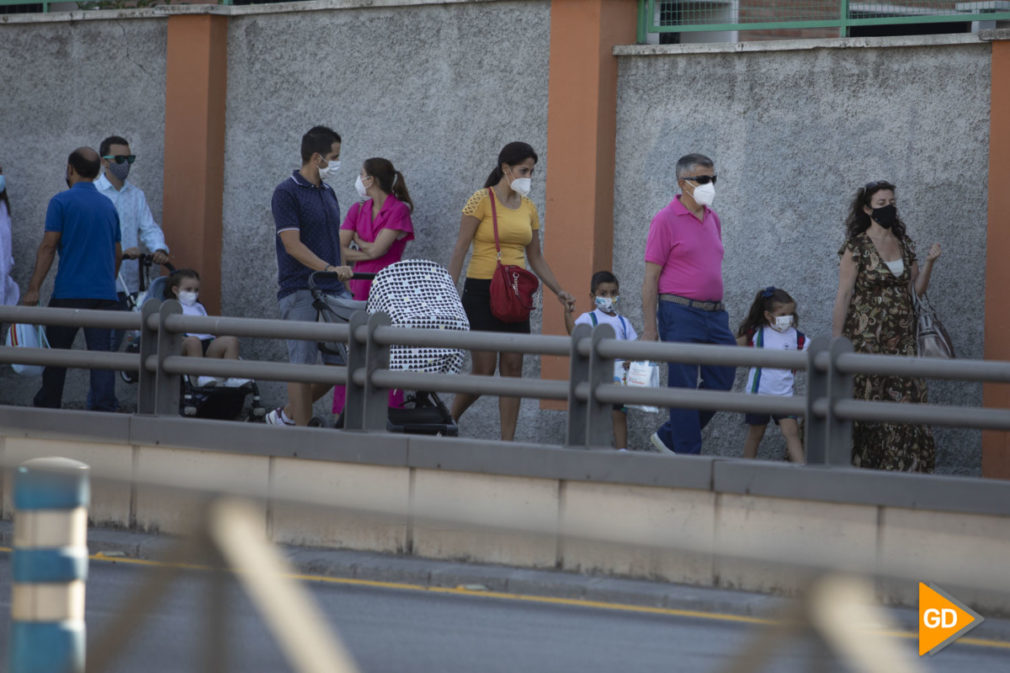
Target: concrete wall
795 128
695 520
69 83
435 88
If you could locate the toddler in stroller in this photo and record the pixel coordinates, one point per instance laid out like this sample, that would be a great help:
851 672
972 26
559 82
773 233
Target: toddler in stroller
209 396
414 293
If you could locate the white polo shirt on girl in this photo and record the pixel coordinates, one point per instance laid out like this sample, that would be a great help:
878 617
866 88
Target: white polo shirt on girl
779 382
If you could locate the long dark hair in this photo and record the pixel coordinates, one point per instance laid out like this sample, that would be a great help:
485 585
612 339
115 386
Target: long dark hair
766 300
511 154
858 221
175 280
390 180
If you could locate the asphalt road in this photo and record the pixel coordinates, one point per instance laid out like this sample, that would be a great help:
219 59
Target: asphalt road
423 631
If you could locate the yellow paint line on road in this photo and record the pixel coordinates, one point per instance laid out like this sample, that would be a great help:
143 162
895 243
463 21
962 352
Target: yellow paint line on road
548 600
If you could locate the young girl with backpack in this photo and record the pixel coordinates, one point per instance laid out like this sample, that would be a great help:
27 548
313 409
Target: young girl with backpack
771 323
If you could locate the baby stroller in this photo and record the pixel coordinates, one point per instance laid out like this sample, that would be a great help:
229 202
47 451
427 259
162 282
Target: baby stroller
201 401
418 294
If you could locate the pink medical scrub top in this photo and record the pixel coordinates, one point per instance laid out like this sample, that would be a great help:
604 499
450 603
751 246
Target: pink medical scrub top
394 215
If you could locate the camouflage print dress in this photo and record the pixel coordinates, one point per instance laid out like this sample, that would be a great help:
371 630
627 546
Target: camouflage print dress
881 319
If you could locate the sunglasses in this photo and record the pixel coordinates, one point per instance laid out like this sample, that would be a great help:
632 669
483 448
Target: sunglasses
702 179
120 158
870 186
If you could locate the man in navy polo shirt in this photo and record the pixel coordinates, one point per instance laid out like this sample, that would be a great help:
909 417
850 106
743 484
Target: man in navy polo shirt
83 228
682 295
307 220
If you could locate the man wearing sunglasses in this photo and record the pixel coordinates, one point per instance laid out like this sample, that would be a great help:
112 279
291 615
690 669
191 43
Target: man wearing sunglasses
682 294
135 218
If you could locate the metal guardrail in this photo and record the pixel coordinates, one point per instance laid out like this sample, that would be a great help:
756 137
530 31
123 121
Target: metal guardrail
691 16
828 405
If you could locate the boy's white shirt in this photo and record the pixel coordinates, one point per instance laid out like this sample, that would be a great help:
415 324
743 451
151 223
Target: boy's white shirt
623 330
775 381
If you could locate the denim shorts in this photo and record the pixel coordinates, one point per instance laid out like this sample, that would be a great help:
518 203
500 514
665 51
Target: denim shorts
298 306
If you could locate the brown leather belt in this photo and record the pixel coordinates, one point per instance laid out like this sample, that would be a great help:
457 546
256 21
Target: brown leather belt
693 303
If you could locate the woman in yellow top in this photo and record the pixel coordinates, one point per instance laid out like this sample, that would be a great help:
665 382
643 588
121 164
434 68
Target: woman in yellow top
519 237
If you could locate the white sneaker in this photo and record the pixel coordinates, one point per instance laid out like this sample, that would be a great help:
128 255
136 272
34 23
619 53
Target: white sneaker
236 383
276 417
659 445
206 381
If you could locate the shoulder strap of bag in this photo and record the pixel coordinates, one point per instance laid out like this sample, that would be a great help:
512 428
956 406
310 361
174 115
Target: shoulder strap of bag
624 328
592 318
801 339
494 221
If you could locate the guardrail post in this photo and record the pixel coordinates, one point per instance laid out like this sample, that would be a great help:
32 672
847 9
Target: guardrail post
376 357
839 431
815 435
147 381
578 372
49 566
168 387
357 358
599 422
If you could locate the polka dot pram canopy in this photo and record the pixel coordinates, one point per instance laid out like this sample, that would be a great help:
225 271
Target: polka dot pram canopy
417 293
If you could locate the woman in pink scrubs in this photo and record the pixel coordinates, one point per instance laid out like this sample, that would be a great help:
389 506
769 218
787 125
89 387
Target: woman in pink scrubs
378 227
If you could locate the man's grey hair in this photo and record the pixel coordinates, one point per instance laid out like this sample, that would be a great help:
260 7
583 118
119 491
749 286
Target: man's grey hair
687 163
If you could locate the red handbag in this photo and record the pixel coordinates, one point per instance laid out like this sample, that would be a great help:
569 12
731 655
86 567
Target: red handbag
512 287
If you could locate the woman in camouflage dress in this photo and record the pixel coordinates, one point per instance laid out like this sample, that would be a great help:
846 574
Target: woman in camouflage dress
874 310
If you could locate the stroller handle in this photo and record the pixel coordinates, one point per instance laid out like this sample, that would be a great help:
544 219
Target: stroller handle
320 275
148 260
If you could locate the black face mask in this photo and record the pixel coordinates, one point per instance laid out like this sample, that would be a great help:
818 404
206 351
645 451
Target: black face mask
885 216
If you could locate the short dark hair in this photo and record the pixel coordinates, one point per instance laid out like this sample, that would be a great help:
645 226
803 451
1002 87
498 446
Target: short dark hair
602 277
689 161
318 139
86 162
103 149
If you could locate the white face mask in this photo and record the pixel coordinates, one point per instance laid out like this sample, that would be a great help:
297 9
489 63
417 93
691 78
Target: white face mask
606 304
188 298
704 195
330 170
521 186
782 323
359 186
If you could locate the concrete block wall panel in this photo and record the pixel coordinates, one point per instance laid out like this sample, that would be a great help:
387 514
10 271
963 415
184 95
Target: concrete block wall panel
947 549
489 506
652 533
68 84
167 509
792 531
338 491
795 129
110 500
434 88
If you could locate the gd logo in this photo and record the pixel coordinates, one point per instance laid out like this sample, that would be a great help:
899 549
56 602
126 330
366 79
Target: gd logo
942 619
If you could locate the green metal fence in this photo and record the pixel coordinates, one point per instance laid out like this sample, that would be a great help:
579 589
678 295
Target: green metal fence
765 19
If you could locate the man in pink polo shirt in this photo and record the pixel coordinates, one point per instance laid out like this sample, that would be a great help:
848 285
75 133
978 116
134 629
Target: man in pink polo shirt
683 289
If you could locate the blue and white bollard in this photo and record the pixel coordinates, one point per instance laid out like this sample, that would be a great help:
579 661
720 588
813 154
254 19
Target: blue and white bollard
49 566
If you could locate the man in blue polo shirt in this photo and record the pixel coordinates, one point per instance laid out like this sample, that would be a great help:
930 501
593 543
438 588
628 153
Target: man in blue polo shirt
83 228
307 221
682 295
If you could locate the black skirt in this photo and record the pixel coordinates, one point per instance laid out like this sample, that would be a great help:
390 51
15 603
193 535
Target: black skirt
477 304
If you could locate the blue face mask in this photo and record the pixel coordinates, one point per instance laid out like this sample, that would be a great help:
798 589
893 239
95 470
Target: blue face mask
606 304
